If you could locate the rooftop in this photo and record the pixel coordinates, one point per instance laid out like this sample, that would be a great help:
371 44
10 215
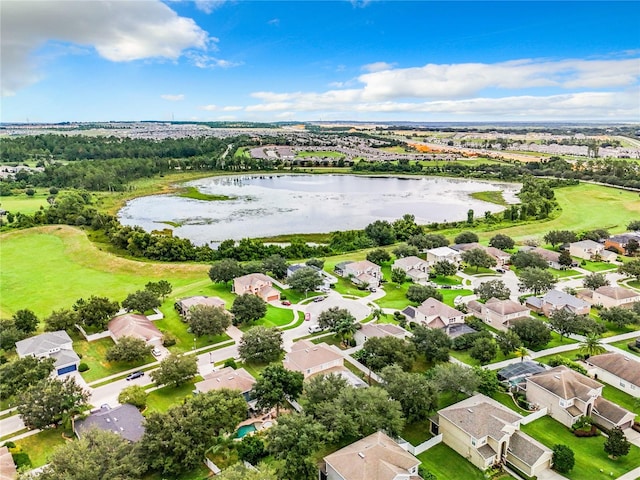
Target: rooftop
305 355
43 343
619 365
432 307
618 293
137 326
565 383
227 377
124 420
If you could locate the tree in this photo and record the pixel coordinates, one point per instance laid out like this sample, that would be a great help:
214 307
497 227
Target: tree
484 350
398 275
631 269
378 256
51 402
128 349
305 279
536 280
433 342
346 328
632 247
565 322
521 352
492 289
175 370
619 316
403 250
416 395
315 262
426 242
135 395
276 265
293 440
596 235
160 289
261 345
565 259
633 226
98 454
381 232
25 321
419 293
251 449
466 237
208 320
276 386
445 268
524 259
17 375
595 281
617 444
248 308
592 345
176 441
534 333
60 320
320 389
9 334
508 341
502 242
563 458
141 301
477 257
96 312
556 237
239 471
406 227
454 378
378 352
489 383
225 270
329 318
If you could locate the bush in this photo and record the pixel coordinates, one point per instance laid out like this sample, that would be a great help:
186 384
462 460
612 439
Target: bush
83 367
230 362
592 432
169 340
632 346
9 444
555 361
21 459
475 323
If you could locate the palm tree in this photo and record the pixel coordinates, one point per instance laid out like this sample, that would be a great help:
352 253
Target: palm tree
521 352
345 328
592 345
377 314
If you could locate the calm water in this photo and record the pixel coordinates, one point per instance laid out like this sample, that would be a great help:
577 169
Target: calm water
268 205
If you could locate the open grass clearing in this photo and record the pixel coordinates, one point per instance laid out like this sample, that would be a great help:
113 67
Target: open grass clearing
446 464
491 196
23 203
41 445
591 460
319 153
595 266
275 317
163 398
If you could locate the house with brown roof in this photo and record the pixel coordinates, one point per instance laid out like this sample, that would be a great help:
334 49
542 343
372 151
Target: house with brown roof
620 242
311 359
256 284
238 379
568 395
433 313
590 250
615 297
363 273
8 469
378 330
376 457
136 326
415 268
487 433
184 305
498 313
617 370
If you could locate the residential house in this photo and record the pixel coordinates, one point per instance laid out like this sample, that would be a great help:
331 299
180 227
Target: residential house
8 469
57 345
568 395
125 420
590 250
619 242
501 258
433 313
184 305
415 268
375 330
363 273
256 284
498 313
439 254
487 433
238 379
552 258
555 300
376 457
615 297
617 370
136 326
311 359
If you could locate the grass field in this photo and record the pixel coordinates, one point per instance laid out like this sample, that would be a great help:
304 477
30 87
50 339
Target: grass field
161 399
94 355
591 460
42 444
319 153
446 464
25 204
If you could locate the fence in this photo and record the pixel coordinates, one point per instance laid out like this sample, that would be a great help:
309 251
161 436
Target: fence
534 416
95 336
423 447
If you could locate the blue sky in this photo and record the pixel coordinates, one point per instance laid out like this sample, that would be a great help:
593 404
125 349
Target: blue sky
95 60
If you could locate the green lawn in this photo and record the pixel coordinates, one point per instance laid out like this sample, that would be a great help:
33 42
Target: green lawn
506 400
276 317
42 444
623 399
22 203
161 399
449 295
94 355
330 340
446 464
569 355
481 271
395 295
564 273
463 356
254 369
320 153
417 432
591 461
595 266
442 280
622 345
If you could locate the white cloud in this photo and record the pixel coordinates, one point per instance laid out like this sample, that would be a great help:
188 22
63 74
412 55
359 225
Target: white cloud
202 60
378 66
275 22
217 108
209 108
173 98
119 31
232 108
208 6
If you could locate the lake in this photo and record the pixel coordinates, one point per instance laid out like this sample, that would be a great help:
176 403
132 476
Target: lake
269 205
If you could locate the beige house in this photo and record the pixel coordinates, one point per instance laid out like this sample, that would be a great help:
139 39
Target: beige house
615 297
415 268
568 395
376 330
501 258
487 433
136 326
552 258
256 284
617 370
7 467
227 377
590 250
498 313
376 457
184 305
555 300
433 313
311 359
439 254
363 273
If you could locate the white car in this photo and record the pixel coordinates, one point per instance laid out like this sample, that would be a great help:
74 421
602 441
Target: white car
156 352
315 329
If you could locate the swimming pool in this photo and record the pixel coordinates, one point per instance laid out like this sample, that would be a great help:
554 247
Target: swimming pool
244 430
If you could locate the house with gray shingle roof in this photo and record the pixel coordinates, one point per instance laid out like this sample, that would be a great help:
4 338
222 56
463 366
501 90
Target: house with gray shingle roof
125 420
57 345
415 268
433 313
555 300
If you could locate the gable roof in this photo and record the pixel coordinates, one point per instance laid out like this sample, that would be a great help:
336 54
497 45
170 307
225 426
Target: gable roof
376 457
8 469
505 307
189 302
124 420
409 262
370 330
43 343
432 307
305 355
227 377
610 411
560 299
362 265
565 383
481 416
497 253
618 365
443 252
463 247
587 245
132 325
252 278
548 255
526 448
617 293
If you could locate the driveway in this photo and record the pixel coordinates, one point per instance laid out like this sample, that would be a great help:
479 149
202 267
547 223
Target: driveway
334 299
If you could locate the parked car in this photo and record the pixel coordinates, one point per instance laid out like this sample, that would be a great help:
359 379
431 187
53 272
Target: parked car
500 270
135 375
286 302
156 352
372 289
319 299
315 329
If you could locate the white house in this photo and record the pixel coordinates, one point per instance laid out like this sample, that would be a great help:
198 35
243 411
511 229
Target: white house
439 254
363 273
57 345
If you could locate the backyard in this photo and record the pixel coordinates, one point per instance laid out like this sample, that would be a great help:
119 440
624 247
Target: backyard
446 464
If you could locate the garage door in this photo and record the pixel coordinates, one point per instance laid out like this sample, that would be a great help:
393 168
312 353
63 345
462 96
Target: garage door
70 368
